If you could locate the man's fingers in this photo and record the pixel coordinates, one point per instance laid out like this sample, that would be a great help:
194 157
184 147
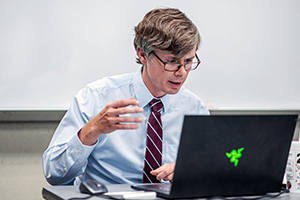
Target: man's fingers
123 103
123 106
127 126
118 120
111 119
121 122
169 177
165 176
164 172
123 110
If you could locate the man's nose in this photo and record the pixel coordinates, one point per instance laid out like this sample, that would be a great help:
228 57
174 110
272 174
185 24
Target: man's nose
181 71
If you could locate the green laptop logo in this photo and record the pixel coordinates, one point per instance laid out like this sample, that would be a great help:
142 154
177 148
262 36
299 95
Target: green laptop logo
234 155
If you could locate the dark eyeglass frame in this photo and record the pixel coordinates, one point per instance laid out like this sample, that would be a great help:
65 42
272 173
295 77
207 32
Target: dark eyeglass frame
179 66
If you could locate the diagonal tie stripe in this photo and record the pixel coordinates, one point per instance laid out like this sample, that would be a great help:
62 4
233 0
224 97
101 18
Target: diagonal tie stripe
158 121
153 155
153 144
158 136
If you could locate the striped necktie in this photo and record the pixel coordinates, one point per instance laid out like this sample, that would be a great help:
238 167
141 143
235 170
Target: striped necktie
153 154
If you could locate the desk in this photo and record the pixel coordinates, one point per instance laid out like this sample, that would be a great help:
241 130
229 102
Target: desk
68 192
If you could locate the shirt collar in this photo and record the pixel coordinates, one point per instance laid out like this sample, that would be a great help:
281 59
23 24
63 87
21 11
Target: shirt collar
142 93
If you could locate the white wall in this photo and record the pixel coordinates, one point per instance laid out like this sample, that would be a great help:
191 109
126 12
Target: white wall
50 49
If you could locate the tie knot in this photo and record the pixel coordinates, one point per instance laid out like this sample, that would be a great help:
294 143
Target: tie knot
156 105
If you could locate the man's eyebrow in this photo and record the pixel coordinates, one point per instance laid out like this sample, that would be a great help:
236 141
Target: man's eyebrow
191 57
177 57
172 57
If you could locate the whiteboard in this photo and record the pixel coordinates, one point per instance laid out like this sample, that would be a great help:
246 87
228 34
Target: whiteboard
51 49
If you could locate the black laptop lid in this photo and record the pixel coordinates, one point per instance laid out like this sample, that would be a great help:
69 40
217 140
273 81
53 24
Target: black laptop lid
232 155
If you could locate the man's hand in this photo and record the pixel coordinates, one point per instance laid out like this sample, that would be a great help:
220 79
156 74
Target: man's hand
109 120
164 172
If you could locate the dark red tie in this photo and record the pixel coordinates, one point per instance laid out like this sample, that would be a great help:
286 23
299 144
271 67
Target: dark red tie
153 154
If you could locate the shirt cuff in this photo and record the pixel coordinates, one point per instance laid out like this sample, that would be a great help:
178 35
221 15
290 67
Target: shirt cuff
78 150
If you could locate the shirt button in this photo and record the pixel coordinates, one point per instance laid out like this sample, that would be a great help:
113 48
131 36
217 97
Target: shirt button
65 169
78 150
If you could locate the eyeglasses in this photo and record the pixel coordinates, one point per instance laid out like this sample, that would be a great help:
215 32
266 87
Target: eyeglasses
174 66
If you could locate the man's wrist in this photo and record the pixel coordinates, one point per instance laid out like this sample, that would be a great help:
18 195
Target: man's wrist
85 139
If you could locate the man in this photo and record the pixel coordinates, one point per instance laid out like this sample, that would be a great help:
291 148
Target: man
104 135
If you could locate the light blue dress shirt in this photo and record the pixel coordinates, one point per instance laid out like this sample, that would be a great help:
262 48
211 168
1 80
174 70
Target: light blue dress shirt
117 157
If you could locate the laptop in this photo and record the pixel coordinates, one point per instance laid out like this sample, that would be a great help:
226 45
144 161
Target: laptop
229 155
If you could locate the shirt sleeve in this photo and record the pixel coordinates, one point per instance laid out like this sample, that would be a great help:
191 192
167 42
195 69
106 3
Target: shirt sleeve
66 157
203 109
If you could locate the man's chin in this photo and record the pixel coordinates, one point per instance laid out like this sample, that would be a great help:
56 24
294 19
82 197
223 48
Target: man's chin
173 91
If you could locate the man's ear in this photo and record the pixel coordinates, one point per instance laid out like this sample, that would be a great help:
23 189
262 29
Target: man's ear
142 56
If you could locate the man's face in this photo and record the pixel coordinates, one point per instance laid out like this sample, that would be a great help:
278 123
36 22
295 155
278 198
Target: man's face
160 82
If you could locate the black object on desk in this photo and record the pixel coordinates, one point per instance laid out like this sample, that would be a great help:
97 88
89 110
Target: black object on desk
92 187
229 155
